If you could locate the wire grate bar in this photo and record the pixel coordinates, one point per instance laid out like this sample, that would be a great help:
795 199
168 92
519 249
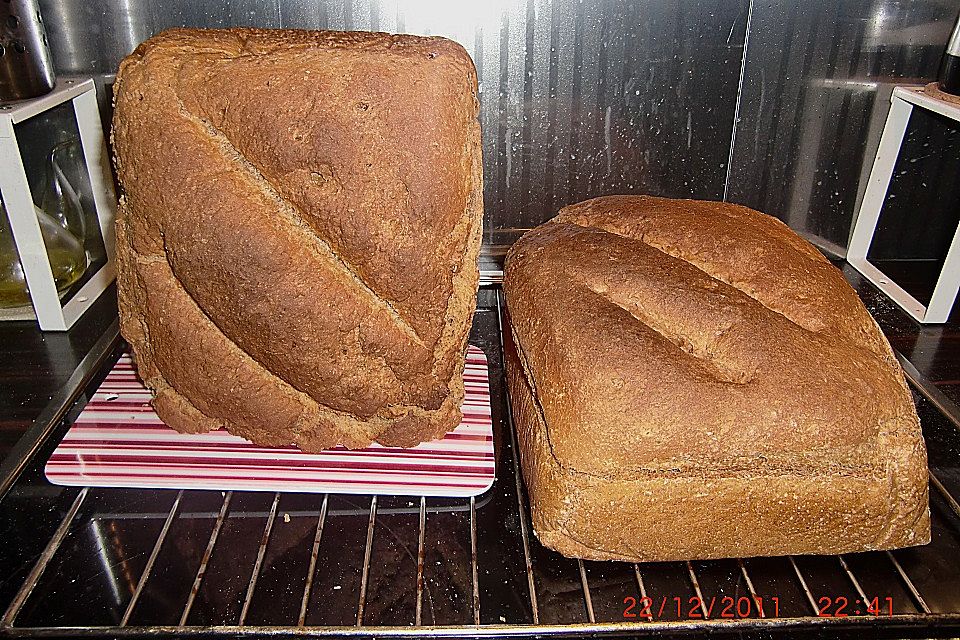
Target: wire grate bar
473 560
935 481
531 585
420 555
587 600
151 560
803 583
45 556
205 560
261 552
366 560
910 586
853 578
643 591
750 587
524 533
696 588
314 552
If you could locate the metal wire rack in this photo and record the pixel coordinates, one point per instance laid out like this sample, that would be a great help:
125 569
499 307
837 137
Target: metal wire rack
118 562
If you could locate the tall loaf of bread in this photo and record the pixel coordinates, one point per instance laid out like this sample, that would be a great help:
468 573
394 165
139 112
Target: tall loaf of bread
694 380
298 234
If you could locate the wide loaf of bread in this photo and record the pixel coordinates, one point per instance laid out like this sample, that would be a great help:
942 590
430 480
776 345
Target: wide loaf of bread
298 233
693 380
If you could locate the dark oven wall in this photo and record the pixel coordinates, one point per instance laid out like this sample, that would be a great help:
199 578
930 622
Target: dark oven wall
776 104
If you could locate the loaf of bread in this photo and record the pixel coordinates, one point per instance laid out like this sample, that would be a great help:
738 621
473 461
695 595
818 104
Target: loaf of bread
693 380
298 234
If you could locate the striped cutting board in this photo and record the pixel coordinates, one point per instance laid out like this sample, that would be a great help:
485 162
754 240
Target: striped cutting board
118 441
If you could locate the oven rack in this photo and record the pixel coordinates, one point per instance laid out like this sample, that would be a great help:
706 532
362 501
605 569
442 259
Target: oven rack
137 563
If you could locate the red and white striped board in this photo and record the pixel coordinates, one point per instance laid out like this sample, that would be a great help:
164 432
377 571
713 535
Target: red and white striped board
119 441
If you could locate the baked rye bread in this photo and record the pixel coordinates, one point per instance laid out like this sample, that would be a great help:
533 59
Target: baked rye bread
298 234
693 380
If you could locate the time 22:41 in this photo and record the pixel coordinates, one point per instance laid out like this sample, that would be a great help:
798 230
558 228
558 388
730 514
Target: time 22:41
841 607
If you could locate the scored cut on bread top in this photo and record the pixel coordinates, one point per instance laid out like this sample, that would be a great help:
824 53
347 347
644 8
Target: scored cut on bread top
698 337
317 196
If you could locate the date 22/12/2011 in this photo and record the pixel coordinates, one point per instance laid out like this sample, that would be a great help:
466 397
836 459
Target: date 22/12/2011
747 607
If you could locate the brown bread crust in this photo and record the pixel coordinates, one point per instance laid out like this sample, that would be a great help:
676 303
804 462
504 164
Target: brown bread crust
299 231
694 380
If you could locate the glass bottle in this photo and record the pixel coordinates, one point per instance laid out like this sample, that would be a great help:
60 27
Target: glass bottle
62 227
58 198
13 284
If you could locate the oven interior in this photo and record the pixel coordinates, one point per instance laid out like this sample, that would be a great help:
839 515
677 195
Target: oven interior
774 105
